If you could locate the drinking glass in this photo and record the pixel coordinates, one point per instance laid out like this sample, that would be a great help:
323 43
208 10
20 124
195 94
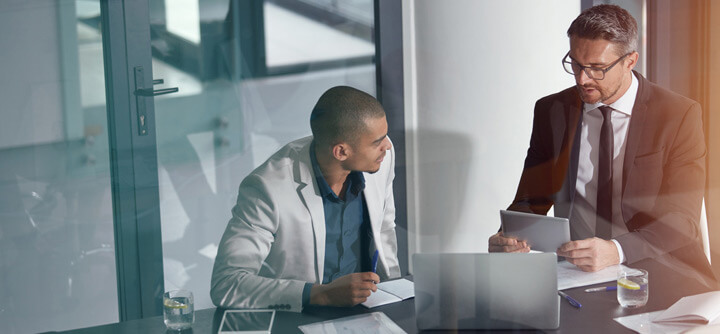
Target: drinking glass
178 309
632 288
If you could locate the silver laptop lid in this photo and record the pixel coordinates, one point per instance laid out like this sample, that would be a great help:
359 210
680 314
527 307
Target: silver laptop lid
486 291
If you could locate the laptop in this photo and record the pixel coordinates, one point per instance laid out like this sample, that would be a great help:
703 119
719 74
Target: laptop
486 291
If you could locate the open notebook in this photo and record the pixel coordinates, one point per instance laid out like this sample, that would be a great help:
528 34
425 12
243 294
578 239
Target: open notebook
702 308
391 292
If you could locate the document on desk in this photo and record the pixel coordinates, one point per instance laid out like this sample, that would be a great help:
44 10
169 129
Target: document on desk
643 323
570 276
391 292
701 308
376 322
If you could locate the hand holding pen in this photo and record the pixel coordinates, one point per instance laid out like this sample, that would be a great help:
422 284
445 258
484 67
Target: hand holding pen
348 290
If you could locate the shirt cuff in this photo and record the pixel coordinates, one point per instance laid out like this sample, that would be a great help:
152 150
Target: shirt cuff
620 251
306 294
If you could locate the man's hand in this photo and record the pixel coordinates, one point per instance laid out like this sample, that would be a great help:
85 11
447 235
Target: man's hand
348 290
500 244
590 254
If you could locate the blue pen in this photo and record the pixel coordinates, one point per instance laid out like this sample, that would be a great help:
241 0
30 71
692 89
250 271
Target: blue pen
374 261
570 300
602 288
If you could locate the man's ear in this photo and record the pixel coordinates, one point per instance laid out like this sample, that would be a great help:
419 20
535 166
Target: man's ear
341 151
633 60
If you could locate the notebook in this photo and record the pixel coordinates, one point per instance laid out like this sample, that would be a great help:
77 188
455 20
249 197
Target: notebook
702 308
391 292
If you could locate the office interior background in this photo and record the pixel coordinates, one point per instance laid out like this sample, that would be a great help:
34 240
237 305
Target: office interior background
109 197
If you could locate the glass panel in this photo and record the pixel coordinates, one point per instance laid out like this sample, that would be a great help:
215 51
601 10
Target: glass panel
232 112
57 252
336 30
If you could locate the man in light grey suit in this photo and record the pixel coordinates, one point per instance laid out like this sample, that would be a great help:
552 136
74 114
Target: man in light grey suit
308 221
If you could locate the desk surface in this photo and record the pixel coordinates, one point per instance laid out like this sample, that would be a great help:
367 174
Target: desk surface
596 315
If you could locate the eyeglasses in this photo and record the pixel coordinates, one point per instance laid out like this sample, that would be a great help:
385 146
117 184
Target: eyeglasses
595 73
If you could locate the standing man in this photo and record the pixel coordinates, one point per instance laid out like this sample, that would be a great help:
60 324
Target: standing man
309 220
619 156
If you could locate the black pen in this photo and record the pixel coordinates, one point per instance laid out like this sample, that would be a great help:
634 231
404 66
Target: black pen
570 300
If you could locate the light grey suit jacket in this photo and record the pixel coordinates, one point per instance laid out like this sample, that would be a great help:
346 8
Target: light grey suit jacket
275 240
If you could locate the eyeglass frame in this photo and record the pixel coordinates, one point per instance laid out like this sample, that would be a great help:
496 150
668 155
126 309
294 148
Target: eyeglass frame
594 68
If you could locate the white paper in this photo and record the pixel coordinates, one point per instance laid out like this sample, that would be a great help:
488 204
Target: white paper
402 288
702 307
391 292
570 276
643 324
379 298
376 322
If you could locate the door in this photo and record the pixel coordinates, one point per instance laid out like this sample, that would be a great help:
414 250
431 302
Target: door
57 245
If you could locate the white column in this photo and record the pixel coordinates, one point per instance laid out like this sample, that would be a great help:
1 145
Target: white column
473 71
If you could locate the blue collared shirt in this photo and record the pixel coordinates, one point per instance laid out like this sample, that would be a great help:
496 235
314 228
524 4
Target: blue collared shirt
347 227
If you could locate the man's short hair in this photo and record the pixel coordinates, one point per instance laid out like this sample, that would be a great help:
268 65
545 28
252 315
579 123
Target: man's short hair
608 22
340 114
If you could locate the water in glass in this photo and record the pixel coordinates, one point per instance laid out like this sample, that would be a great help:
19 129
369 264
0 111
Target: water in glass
178 312
632 290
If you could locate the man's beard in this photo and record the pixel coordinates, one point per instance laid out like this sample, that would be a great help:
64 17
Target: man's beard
603 97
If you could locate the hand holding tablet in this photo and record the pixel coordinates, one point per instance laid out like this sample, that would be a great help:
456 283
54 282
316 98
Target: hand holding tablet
542 233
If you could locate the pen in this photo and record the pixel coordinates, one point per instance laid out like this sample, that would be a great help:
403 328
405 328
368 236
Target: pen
374 262
570 300
602 288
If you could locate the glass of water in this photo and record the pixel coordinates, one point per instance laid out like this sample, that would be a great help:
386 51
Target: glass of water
632 288
178 309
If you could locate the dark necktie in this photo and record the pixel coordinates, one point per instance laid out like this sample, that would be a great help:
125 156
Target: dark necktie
603 224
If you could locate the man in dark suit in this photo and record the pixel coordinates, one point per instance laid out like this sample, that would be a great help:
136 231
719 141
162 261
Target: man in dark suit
619 156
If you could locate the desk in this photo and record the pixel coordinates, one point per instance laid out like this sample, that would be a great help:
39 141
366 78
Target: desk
596 315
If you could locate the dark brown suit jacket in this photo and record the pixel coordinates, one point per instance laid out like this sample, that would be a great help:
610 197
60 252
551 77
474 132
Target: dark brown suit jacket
663 172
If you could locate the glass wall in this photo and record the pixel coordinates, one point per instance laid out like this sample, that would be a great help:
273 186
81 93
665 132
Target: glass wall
57 252
249 73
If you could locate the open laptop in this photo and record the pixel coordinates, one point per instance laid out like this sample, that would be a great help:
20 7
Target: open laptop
486 291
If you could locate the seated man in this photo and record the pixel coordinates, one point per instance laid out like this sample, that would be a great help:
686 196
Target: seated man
621 157
308 221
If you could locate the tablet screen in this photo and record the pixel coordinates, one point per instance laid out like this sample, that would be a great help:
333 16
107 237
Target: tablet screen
244 321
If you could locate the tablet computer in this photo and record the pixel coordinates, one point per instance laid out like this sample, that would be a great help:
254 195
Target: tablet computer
542 233
247 322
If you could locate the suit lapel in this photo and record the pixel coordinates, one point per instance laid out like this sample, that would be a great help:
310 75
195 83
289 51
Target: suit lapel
372 197
309 194
635 130
571 125
574 131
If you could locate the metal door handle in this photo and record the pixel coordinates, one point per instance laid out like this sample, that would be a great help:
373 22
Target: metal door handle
155 92
140 93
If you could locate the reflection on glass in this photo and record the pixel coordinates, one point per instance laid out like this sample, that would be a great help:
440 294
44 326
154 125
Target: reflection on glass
57 253
234 108
287 45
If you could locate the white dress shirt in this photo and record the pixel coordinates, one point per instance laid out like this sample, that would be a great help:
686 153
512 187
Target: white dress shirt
583 215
